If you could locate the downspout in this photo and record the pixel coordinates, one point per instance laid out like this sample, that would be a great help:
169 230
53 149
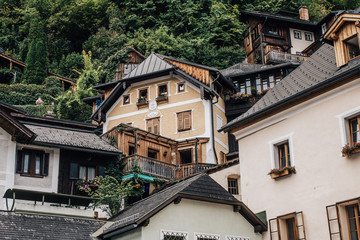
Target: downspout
212 119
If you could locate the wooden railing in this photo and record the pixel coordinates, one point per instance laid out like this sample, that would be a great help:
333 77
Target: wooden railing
159 169
282 57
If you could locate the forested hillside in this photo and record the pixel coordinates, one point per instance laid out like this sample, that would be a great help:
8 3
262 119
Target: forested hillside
50 35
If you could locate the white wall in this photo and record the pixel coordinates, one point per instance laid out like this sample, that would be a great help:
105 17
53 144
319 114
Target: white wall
199 217
323 176
131 235
221 177
298 45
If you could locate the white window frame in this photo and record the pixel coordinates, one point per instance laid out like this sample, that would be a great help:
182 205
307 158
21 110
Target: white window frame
160 84
236 238
206 235
177 87
323 28
163 233
309 34
344 124
297 31
273 150
219 122
128 94
143 88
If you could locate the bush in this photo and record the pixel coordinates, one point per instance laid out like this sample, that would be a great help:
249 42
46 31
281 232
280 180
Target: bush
38 110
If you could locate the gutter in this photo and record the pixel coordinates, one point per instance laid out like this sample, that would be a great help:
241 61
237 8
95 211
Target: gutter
212 120
293 97
119 231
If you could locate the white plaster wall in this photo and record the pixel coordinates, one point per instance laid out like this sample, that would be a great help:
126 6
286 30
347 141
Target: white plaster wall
46 184
199 217
7 168
221 177
323 176
299 45
131 235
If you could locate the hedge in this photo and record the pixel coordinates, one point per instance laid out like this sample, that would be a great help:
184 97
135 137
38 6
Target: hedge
37 110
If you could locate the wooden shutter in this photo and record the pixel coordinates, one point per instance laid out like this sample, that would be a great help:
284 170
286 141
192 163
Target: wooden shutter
187 120
180 122
333 221
149 124
274 229
156 125
45 165
19 161
300 225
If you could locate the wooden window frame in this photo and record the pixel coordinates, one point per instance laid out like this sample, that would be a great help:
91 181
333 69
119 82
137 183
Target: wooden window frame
287 154
31 167
147 93
128 96
281 228
154 150
151 122
191 150
181 126
351 131
356 218
309 34
178 87
346 47
167 89
77 177
233 185
297 31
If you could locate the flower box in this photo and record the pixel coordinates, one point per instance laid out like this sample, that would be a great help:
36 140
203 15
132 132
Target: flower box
162 98
277 173
348 150
141 102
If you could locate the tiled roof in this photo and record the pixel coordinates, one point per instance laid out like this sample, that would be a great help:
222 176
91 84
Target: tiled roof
70 137
30 226
241 69
315 71
201 185
151 64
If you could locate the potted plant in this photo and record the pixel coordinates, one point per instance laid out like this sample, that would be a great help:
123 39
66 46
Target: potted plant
263 92
254 92
280 172
240 97
141 101
227 94
348 150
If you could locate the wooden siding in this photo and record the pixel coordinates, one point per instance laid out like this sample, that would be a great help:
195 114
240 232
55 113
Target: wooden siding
203 75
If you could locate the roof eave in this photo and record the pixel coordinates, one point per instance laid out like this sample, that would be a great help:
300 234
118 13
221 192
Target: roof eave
253 117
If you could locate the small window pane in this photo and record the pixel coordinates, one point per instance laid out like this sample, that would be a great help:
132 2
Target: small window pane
258 84
91 173
271 79
37 164
74 170
181 87
26 162
82 172
248 86
353 47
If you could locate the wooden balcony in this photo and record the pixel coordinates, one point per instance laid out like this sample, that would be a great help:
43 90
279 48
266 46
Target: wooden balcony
163 170
282 57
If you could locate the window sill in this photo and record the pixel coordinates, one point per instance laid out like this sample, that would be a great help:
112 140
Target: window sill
282 172
162 99
142 104
29 175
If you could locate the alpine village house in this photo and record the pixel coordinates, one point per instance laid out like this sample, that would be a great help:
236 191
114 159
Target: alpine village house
280 138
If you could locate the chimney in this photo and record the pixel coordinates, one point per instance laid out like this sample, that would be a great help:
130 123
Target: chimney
304 13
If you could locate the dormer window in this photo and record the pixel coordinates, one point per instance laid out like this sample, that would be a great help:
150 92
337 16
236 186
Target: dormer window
352 46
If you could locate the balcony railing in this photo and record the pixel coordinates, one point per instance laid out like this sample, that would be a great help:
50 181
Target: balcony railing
159 169
282 57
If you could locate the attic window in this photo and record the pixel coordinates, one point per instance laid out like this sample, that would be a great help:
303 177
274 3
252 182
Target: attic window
352 47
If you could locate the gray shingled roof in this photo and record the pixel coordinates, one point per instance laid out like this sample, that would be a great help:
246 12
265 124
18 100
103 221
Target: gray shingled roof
70 137
201 185
151 64
30 226
315 71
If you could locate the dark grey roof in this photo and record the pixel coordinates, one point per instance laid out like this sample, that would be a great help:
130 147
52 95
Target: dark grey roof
151 64
30 226
70 137
241 69
198 187
317 70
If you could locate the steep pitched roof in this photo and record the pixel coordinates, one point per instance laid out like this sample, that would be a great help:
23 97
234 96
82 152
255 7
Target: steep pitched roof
70 138
315 73
30 226
200 187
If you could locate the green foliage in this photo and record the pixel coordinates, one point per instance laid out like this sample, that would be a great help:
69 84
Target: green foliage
70 65
111 63
6 76
37 110
25 94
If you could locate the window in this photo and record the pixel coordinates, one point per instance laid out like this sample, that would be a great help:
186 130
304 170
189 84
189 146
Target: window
185 156
273 30
153 153
255 33
143 93
289 226
184 121
162 90
283 155
32 163
247 40
153 125
236 238
354 127
131 149
126 99
308 36
98 103
352 46
202 236
233 186
219 122
297 34
323 28
353 217
181 87
78 171
172 235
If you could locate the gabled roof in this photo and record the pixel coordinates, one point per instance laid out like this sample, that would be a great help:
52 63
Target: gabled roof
317 73
200 187
31 226
70 138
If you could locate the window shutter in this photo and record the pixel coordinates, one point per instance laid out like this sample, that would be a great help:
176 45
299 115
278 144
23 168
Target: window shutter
45 164
187 120
156 125
180 122
74 171
19 162
274 229
149 125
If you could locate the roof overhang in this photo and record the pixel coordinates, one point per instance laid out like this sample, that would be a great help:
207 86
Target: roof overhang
331 33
